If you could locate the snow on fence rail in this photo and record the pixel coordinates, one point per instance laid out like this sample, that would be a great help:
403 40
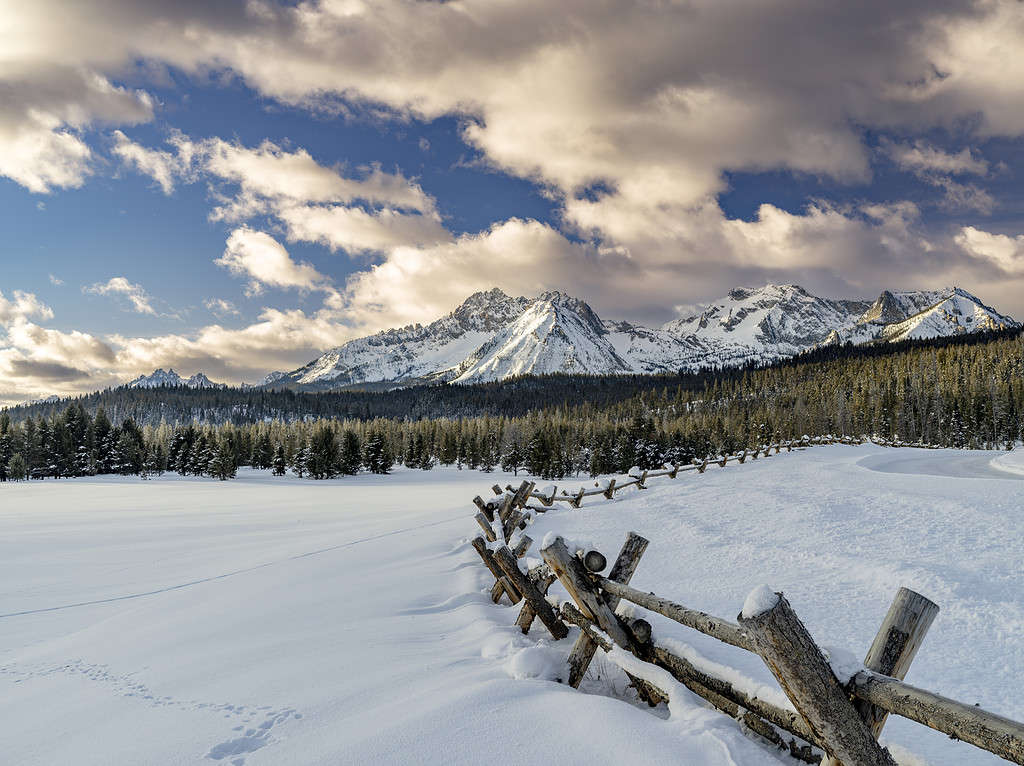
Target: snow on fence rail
841 718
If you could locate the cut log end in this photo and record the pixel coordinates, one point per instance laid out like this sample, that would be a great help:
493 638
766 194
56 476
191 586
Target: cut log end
595 561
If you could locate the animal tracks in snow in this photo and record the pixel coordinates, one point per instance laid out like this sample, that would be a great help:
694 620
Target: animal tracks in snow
253 724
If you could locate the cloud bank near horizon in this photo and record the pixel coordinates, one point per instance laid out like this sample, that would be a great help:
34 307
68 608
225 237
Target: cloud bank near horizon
634 157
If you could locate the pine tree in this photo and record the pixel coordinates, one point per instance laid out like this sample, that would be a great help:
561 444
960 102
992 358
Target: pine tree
280 464
512 460
222 462
323 453
300 460
17 468
350 458
377 455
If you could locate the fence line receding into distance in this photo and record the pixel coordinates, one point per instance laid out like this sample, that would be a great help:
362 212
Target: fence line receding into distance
833 721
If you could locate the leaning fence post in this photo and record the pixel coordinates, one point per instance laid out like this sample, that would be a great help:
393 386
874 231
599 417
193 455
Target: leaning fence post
899 637
485 509
542 577
577 581
488 559
486 527
541 608
795 660
622 571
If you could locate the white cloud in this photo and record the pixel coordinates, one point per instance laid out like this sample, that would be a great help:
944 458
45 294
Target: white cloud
1000 250
921 157
355 230
55 281
220 307
23 306
163 167
265 261
136 294
45 106
937 168
365 213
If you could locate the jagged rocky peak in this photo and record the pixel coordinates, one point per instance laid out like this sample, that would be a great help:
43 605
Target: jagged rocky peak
169 377
780 319
492 335
488 309
580 308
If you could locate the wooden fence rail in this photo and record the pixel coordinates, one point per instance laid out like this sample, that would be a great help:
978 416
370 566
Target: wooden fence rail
832 721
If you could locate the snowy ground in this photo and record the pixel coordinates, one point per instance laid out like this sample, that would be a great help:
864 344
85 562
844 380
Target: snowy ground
278 621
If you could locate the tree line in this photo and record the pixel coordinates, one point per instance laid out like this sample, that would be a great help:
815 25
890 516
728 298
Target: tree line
967 394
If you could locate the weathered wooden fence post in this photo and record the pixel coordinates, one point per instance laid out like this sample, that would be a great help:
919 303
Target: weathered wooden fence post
541 608
488 559
577 581
894 648
622 571
542 577
795 660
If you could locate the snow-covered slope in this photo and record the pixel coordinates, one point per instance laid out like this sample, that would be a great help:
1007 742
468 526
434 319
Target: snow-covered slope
766 323
493 336
556 333
897 316
169 377
413 352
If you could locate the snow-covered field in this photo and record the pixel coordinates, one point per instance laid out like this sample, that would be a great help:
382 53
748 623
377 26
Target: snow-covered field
279 621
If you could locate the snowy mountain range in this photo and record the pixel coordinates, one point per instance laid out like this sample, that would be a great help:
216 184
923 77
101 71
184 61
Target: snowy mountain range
163 377
493 336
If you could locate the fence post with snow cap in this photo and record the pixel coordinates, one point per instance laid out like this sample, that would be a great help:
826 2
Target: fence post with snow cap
804 674
622 570
540 607
576 580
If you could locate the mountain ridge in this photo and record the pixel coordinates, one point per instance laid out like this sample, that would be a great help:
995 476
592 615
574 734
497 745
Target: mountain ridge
493 336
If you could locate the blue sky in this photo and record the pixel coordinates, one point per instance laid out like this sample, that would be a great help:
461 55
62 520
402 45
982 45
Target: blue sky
235 186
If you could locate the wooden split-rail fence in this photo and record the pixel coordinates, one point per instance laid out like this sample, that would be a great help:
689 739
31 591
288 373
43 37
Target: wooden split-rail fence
832 721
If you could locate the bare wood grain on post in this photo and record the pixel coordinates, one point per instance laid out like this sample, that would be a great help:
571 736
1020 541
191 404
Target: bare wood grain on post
969 723
485 509
718 692
542 577
609 491
486 527
581 588
622 570
796 662
895 646
716 627
489 562
522 546
541 608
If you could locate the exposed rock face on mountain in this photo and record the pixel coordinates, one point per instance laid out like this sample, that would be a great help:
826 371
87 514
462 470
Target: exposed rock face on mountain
926 314
494 336
414 352
555 333
171 378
